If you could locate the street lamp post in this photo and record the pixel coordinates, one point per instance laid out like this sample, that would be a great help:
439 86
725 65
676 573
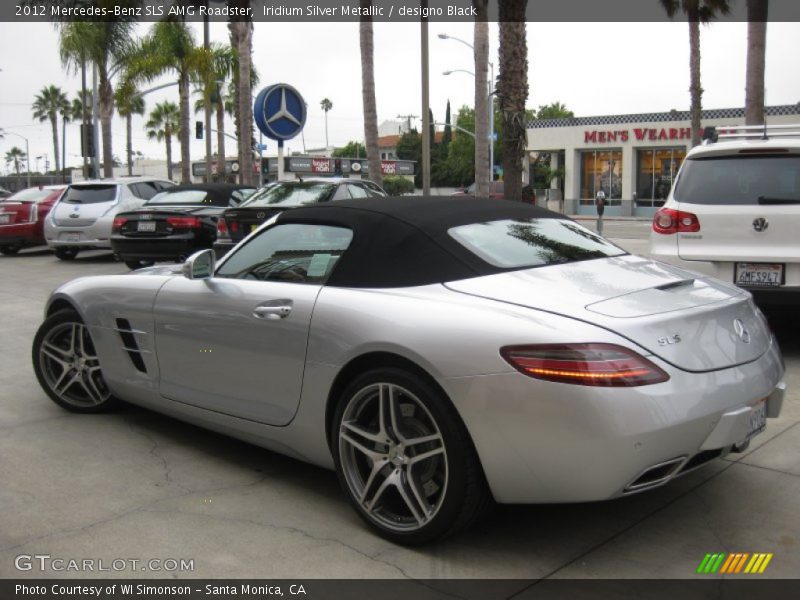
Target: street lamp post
27 153
444 36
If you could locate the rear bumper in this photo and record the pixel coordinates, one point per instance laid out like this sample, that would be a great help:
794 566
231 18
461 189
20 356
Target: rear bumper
157 249
22 234
542 442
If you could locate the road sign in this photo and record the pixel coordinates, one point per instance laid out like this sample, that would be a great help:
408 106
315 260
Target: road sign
280 112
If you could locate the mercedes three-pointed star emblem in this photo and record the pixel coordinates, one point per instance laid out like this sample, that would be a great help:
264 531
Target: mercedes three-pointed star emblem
283 113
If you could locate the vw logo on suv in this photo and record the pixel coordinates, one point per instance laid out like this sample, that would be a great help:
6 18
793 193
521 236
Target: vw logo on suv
760 224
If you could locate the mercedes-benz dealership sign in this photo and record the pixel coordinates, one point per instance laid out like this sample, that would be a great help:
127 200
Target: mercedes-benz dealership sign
280 112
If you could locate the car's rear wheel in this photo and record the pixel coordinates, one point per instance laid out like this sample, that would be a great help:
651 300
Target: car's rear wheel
139 264
405 458
9 250
66 253
66 364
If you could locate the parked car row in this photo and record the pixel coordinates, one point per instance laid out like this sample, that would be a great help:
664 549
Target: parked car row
144 220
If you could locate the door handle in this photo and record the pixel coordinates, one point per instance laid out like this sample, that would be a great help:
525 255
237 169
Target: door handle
275 309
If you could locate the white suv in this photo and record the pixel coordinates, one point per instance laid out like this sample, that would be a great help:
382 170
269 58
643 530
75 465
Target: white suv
83 217
734 212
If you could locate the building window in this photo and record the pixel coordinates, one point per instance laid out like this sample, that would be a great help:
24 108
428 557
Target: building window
657 171
601 170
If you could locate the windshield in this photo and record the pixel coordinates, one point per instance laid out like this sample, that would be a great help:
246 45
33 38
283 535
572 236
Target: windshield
90 194
30 195
290 194
519 243
739 179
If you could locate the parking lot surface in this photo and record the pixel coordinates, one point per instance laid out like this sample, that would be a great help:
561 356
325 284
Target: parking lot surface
137 485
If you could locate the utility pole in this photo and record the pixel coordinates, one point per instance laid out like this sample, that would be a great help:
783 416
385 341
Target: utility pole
408 120
207 48
426 104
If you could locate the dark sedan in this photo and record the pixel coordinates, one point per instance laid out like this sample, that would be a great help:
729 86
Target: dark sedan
174 224
236 224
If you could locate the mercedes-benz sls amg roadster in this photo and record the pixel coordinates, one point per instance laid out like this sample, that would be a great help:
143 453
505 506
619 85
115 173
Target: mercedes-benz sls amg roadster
438 353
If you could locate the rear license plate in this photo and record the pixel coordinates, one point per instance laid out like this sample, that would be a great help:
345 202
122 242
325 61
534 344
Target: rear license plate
71 237
5 218
758 418
759 274
146 226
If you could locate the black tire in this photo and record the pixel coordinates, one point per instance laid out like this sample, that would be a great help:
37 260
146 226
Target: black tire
444 492
9 250
66 253
64 357
138 264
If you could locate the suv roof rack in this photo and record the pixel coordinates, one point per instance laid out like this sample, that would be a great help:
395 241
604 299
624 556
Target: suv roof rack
714 133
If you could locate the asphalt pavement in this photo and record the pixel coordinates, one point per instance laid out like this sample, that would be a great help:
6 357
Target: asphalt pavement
137 485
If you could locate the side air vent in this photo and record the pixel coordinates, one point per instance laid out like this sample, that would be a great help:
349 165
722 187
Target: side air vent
130 345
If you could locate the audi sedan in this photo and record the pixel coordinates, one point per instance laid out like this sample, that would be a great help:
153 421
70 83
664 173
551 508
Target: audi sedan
438 353
175 223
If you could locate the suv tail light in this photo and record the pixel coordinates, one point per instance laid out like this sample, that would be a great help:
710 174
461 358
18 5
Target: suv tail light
668 221
184 222
119 223
603 365
222 228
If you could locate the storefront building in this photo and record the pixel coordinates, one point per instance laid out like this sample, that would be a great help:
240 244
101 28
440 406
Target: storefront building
632 158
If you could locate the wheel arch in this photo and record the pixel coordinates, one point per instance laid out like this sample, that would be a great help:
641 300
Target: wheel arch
60 303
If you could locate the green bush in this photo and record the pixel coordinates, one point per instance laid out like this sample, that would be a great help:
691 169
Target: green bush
397 185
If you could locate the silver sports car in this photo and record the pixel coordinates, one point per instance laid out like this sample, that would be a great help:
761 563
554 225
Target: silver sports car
438 353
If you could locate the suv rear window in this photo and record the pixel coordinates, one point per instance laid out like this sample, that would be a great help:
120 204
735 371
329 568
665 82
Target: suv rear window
90 194
519 243
739 179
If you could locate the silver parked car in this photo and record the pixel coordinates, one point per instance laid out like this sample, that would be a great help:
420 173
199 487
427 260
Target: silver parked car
83 217
437 352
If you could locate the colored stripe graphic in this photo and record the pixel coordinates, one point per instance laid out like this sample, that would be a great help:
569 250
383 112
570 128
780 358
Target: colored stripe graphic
718 562
703 563
734 563
741 561
765 563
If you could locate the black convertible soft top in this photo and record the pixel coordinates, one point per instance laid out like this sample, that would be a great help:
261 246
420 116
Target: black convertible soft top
403 241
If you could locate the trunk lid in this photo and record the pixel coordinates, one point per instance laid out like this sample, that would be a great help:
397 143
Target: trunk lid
153 222
694 323
242 221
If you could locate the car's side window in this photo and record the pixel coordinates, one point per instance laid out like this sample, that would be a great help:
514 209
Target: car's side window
291 252
144 190
341 193
374 190
357 191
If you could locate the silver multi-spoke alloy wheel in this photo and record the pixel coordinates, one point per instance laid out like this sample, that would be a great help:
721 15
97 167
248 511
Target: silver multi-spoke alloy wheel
393 457
66 364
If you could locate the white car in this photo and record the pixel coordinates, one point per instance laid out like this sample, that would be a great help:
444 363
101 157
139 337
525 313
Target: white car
83 217
734 212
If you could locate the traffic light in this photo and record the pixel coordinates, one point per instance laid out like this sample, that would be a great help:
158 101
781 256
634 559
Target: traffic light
87 140
198 130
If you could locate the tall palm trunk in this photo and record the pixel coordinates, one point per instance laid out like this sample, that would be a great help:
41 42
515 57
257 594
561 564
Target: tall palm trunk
368 96
54 123
757 12
221 140
245 36
512 90
183 134
233 29
481 45
168 139
129 142
695 90
106 113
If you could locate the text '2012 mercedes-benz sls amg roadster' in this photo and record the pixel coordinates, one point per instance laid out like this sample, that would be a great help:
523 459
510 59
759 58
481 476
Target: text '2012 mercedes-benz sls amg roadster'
438 353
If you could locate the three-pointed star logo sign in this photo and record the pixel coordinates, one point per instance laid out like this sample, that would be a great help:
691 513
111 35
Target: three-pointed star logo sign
283 113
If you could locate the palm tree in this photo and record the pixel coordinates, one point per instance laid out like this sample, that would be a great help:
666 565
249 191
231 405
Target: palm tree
368 95
216 67
326 105
696 11
242 40
512 92
48 104
106 44
14 156
129 102
169 47
480 44
164 122
757 12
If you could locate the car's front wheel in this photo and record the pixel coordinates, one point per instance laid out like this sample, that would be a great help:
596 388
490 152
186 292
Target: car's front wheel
66 253
67 366
405 458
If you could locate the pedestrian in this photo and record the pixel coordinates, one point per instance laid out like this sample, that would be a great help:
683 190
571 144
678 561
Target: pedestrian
600 205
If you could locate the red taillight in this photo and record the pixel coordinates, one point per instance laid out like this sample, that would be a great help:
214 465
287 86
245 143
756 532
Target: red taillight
605 365
222 228
668 221
184 222
234 227
119 222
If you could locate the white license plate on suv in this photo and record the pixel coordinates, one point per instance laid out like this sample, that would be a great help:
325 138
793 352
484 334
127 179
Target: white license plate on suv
758 419
759 274
146 226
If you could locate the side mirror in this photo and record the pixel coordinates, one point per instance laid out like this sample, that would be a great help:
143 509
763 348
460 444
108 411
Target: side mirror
199 265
